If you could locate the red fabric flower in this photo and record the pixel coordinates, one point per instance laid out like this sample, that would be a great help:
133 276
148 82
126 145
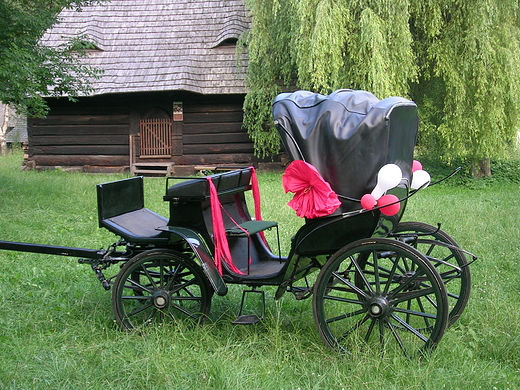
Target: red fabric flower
313 196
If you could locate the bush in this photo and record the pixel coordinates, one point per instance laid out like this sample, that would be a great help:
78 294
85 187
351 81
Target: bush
502 171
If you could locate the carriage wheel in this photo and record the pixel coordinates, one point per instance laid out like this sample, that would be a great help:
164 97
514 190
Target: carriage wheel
160 286
382 291
451 263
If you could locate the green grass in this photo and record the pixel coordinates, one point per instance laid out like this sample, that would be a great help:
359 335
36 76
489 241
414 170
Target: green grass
57 329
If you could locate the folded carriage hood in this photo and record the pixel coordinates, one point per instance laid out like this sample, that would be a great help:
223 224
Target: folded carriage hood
348 136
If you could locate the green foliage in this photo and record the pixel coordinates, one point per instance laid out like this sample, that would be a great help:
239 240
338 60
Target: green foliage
504 171
319 53
269 44
323 45
460 61
29 69
471 55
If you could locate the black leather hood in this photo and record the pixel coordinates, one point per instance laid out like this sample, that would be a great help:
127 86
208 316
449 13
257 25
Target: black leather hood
348 136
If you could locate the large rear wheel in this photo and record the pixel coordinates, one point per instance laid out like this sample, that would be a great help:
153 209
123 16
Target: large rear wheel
380 291
444 253
160 286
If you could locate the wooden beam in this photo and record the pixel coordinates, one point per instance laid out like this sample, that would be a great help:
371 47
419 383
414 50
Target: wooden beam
77 160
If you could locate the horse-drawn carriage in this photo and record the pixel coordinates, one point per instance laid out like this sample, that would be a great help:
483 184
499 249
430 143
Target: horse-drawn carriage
372 278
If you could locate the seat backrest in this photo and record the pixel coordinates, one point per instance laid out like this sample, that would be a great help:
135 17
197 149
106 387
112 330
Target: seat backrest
197 189
119 197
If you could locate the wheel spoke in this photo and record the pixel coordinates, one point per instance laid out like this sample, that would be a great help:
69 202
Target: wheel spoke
183 287
376 273
447 276
345 316
397 338
342 299
410 312
362 275
429 250
406 296
382 323
421 307
185 311
410 328
355 327
349 284
370 329
172 277
138 285
136 297
390 277
405 285
140 309
150 278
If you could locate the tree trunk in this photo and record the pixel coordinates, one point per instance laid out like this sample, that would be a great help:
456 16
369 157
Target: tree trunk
4 120
481 168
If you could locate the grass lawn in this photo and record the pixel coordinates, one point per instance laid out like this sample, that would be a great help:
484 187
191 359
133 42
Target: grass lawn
57 329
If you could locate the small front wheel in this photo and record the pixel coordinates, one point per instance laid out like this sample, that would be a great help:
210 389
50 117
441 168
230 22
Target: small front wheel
380 291
160 286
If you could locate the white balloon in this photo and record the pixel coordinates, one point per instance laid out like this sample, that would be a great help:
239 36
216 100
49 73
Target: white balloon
389 176
419 178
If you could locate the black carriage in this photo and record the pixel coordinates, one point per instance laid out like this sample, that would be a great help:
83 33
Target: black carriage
372 278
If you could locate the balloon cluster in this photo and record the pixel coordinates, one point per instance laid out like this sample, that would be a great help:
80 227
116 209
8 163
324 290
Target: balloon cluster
388 177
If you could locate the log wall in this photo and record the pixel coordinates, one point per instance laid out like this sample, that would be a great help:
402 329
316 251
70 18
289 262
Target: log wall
94 132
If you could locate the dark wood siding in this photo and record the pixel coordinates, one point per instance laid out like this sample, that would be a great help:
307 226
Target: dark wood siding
95 131
87 133
213 133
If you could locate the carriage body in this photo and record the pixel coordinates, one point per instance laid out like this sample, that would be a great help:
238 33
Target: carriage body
375 275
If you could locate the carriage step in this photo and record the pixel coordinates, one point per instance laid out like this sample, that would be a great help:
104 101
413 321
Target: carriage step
248 319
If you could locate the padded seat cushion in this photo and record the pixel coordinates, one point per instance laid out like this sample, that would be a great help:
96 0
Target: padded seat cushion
139 226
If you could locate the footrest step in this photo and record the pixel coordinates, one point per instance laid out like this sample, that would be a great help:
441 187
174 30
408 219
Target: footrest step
251 227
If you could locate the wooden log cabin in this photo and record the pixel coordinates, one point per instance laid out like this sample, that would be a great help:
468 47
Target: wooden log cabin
170 96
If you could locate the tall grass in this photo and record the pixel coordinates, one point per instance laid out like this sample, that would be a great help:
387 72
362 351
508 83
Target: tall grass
57 329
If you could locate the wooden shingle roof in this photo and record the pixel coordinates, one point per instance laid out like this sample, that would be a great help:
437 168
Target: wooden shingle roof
161 45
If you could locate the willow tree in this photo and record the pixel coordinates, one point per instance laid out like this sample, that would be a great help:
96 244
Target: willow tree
470 76
458 59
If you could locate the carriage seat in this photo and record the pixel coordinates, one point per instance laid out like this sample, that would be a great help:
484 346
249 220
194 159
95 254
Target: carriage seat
191 198
121 210
226 183
197 189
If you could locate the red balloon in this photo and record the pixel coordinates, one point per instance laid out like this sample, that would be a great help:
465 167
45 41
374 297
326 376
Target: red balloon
391 209
416 166
368 202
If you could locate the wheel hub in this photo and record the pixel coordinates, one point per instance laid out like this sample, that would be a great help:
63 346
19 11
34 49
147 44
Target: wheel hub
405 279
378 307
161 299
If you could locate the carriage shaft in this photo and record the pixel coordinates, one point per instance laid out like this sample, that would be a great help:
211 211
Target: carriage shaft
52 250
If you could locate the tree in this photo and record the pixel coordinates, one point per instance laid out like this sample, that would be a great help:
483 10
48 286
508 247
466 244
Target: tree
470 78
459 59
29 70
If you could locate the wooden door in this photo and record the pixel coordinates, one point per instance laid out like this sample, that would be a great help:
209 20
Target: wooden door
156 138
